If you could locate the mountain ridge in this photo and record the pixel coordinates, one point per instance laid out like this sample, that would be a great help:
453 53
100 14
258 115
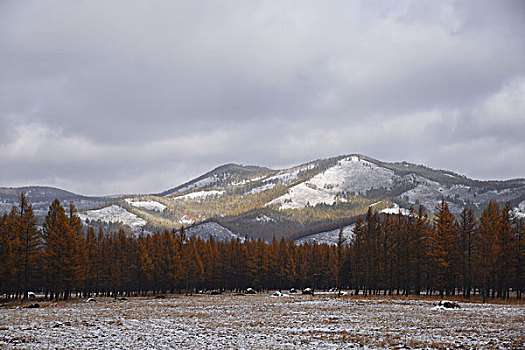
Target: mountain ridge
256 201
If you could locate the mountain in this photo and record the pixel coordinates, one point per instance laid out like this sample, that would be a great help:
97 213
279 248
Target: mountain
42 196
237 201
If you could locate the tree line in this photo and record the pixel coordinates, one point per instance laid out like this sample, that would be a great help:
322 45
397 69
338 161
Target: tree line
413 254
391 254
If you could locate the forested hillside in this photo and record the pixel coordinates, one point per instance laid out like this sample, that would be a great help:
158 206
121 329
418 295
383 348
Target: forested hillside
257 202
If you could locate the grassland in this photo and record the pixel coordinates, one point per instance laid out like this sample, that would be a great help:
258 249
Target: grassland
261 321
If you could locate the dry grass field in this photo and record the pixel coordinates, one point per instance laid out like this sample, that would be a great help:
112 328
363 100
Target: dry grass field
261 322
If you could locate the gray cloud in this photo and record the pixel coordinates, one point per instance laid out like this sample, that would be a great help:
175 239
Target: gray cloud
128 96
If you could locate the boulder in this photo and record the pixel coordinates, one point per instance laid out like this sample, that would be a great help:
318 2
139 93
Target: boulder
32 306
308 291
448 304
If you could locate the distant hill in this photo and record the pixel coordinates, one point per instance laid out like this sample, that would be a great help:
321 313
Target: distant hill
42 196
316 197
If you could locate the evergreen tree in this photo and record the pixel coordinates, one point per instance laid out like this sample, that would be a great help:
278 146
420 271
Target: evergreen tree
57 235
468 230
445 250
488 251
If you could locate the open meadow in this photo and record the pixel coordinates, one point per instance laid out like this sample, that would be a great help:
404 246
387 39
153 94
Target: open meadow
322 321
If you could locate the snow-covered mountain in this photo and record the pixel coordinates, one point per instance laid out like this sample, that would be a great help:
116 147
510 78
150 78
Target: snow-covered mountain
234 201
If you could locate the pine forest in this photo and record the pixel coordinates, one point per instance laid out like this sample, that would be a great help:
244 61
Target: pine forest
423 253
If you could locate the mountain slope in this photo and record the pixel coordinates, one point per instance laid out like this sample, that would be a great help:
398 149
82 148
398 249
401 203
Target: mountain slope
224 175
317 196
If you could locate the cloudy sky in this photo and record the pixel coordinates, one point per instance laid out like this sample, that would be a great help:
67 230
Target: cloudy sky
120 96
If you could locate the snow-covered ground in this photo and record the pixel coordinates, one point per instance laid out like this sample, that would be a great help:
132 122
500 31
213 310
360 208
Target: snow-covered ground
290 175
200 194
519 212
261 321
329 237
196 185
148 205
114 213
185 220
209 229
430 193
263 218
349 175
262 188
395 209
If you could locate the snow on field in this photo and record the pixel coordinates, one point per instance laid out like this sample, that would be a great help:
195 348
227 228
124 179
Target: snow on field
329 237
395 209
148 205
349 175
114 213
200 194
261 321
209 229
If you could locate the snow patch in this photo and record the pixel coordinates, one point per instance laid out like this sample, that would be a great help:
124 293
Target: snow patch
329 237
519 211
195 186
395 209
148 205
212 229
289 175
263 218
262 188
114 214
200 194
349 175
185 220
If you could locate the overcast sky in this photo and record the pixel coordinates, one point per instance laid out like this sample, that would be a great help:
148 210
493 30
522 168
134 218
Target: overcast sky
120 96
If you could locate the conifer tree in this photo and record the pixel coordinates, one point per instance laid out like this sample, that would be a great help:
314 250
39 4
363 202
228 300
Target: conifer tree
519 254
340 257
57 236
468 230
78 249
488 251
145 266
419 248
444 250
8 253
29 238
